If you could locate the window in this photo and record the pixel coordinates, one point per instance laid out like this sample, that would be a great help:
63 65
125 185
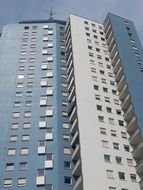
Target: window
96 87
11 152
107 99
67 164
105 144
116 146
14 126
112 188
113 133
26 125
133 177
90 47
127 148
49 134
124 135
44 82
105 89
22 165
7 182
26 27
121 175
114 92
28 103
118 112
13 138
66 137
21 76
100 118
107 158
21 181
30 84
43 100
121 123
103 131
17 104
109 110
49 187
9 166
99 107
25 137
24 151
116 102
49 111
16 114
118 160
27 114
19 85
66 125
91 54
67 150
45 27
68 180
49 161
111 121
29 93
97 97
130 162
110 173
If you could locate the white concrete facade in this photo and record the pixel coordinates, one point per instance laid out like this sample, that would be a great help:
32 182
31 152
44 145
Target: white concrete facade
106 162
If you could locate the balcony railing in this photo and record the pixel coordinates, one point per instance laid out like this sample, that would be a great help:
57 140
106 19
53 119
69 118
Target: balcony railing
135 138
77 168
132 126
76 153
78 184
138 151
129 113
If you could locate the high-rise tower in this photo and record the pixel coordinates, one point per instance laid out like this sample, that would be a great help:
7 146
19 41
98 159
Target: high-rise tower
70 113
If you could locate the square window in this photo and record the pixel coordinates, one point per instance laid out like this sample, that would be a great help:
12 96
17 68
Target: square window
127 148
100 118
68 180
110 174
24 151
133 177
103 131
67 164
65 125
22 165
14 126
96 87
116 146
25 137
49 111
105 144
124 135
9 166
7 182
66 137
27 114
16 114
21 181
99 107
11 152
107 158
49 187
67 150
111 121
13 138
121 175
130 162
113 133
26 125
118 160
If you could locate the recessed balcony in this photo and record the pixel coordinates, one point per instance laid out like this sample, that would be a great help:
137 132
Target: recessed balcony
115 58
73 114
139 167
74 126
120 73
113 51
135 138
117 66
75 138
77 168
129 113
71 74
78 184
123 94
121 83
111 44
132 126
138 151
76 153
127 101
71 84
71 94
141 184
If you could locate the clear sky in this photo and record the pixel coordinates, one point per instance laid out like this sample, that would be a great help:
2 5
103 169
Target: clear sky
12 11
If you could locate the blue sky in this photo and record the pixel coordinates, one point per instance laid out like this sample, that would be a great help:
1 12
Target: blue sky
12 11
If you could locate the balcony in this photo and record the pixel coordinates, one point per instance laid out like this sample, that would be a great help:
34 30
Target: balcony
129 113
127 101
123 94
120 73
77 168
111 44
40 180
121 83
71 84
75 138
141 184
117 66
138 151
135 138
72 94
78 184
73 114
76 153
74 126
115 58
139 167
110 37
113 51
132 126
71 74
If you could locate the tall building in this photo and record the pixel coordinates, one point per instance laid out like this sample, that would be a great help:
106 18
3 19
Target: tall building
70 110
